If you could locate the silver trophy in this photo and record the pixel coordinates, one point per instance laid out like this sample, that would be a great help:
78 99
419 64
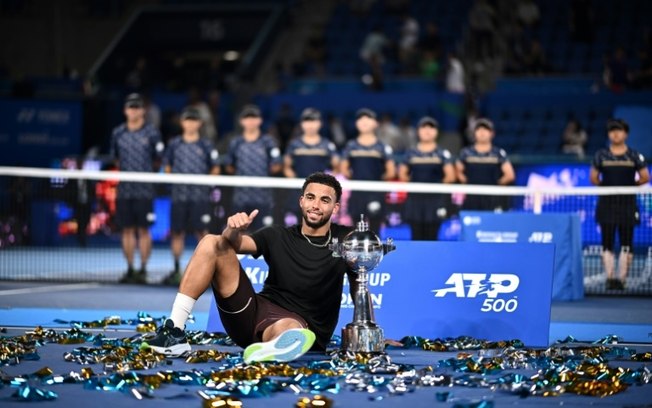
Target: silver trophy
362 250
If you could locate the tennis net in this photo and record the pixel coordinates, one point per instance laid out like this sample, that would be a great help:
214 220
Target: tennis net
59 225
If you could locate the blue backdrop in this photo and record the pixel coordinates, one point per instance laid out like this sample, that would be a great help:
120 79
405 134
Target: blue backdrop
640 127
450 289
561 229
33 133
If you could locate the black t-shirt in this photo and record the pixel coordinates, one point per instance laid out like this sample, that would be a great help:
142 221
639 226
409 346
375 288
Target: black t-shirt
483 168
618 170
303 278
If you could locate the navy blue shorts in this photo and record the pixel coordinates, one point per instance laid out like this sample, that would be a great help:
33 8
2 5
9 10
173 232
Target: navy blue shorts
190 216
134 212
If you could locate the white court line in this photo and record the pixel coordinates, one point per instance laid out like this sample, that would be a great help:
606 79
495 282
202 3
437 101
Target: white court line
65 327
42 289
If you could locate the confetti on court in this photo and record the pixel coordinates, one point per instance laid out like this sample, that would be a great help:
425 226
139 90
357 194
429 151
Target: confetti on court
568 367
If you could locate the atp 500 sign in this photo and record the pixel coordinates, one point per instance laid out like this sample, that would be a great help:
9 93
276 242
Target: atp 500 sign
494 286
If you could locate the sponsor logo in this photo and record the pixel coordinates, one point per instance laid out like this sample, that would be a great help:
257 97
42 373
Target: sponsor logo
43 116
496 236
469 220
25 115
494 287
540 237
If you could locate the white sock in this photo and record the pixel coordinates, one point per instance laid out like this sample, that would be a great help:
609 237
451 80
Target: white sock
181 309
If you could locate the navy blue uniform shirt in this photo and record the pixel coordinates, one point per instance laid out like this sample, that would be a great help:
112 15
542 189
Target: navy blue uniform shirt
253 159
483 168
367 162
618 170
136 151
197 157
310 158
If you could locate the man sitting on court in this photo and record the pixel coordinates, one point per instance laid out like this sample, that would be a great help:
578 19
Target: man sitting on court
298 307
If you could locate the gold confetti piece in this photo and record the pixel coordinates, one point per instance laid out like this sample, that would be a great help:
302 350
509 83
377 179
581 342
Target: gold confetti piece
87 373
44 372
316 401
642 356
205 356
596 388
219 402
146 327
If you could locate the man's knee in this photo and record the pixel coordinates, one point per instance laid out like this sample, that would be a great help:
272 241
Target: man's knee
207 244
213 245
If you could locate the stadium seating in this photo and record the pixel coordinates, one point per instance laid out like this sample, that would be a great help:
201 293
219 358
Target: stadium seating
525 125
615 23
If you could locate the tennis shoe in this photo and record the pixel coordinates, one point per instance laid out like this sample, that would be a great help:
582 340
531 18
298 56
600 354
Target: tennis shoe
170 341
133 277
290 345
173 279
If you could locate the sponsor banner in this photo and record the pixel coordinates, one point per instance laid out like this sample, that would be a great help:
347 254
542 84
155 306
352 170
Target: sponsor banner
33 133
450 289
563 230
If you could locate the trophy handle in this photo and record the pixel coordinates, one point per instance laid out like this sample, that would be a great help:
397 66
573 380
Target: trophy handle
388 246
335 247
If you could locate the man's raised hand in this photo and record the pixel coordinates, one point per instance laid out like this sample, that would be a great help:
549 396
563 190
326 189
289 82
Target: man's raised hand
241 221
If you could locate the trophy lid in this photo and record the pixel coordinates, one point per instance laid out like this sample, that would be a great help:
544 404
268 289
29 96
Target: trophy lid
362 224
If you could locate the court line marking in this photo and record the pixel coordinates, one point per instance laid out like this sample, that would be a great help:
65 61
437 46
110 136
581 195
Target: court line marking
56 288
67 327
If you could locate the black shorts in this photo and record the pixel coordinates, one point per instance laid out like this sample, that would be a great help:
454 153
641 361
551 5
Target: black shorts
475 202
245 315
619 210
190 216
134 212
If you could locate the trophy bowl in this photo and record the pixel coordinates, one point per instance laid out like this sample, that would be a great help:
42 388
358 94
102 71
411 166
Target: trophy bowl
362 250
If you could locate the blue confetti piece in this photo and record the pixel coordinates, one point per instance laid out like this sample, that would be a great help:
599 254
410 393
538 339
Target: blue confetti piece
28 393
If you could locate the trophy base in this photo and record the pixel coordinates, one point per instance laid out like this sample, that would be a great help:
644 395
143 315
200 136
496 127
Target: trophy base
363 338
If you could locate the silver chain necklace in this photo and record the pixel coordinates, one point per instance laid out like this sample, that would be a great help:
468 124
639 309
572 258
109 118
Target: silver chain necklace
324 245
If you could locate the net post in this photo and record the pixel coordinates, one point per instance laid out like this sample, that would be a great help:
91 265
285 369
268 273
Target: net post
537 206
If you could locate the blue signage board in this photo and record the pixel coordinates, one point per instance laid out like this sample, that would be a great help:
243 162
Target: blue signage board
450 289
33 133
560 229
